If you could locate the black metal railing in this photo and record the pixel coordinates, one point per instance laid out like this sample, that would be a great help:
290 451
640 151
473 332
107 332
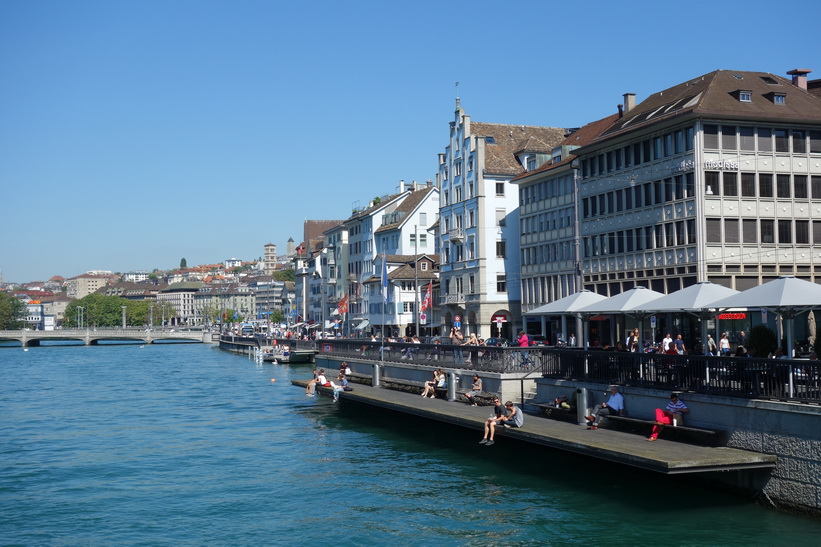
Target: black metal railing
793 380
798 380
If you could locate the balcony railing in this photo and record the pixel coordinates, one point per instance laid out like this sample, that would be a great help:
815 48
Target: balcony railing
456 298
456 234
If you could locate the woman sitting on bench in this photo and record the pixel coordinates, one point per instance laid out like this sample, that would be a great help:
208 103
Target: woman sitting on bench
673 414
431 385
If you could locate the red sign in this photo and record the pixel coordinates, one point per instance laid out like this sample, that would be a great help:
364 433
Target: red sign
499 318
741 315
457 318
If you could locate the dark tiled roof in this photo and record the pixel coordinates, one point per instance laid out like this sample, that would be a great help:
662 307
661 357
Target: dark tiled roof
408 205
716 94
580 137
500 158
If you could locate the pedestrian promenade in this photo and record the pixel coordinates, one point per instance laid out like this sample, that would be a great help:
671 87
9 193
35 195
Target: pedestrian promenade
663 456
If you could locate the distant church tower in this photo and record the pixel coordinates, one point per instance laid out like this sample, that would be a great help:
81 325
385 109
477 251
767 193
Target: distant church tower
269 259
290 250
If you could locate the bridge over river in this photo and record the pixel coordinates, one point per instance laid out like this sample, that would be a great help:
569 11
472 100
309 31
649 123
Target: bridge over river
92 337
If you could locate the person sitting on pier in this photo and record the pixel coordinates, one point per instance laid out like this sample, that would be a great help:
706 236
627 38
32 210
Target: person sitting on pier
320 379
673 414
475 389
430 385
614 405
513 418
498 412
342 386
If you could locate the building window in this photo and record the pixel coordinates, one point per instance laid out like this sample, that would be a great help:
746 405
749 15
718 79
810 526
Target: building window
730 230
800 186
471 219
500 249
501 283
782 141
779 99
748 230
423 266
765 185
407 307
423 240
767 231
471 284
782 186
748 185
785 231
802 232
500 188
730 183
745 96
711 136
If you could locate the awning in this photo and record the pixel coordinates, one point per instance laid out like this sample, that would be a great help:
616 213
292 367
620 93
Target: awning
362 325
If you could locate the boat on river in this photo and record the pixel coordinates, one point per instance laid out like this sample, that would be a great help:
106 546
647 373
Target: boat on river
284 354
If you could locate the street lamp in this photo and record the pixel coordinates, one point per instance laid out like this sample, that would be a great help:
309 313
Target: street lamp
79 317
123 307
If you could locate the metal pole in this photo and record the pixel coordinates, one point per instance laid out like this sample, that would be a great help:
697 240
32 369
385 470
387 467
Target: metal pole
123 307
417 321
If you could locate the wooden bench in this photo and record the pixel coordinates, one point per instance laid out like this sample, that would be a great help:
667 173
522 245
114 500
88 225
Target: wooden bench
685 433
550 410
484 398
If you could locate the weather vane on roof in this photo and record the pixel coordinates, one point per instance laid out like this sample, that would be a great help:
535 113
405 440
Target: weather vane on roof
457 89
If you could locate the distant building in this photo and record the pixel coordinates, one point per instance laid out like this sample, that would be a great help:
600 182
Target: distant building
232 263
85 284
181 296
136 277
269 259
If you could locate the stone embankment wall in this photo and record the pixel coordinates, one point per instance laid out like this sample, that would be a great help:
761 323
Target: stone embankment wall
790 431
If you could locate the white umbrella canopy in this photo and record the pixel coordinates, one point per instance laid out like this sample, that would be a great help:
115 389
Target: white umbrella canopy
786 296
694 298
568 304
631 302
785 293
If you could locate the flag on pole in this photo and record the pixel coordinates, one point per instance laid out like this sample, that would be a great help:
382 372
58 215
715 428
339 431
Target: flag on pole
385 293
426 303
342 307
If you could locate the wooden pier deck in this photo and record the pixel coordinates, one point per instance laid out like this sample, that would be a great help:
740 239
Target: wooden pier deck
662 456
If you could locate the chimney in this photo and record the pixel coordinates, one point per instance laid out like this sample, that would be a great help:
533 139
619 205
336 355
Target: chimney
799 77
621 110
629 102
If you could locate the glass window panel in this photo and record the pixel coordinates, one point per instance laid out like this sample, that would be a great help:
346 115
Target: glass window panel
799 186
782 186
802 232
767 231
749 231
765 139
711 136
747 138
765 185
728 137
799 142
713 226
730 184
782 141
785 231
731 230
748 185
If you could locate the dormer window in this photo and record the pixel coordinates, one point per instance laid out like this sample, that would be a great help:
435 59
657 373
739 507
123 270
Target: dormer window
779 98
745 96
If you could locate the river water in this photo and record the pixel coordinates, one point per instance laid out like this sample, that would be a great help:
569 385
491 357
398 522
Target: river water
183 444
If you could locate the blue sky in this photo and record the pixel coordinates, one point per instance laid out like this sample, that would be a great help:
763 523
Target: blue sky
136 133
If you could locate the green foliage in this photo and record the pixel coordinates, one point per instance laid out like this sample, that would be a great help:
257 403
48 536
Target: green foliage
12 311
284 275
277 316
183 263
152 276
761 341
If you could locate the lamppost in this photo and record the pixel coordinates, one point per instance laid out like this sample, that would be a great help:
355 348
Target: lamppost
123 307
79 317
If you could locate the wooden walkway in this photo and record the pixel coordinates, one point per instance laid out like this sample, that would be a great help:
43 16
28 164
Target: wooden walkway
663 456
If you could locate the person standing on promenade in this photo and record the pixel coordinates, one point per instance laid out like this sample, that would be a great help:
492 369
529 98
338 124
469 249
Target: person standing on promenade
456 340
665 343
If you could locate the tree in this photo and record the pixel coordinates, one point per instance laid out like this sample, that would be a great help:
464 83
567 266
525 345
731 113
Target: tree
11 312
284 275
183 263
277 316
